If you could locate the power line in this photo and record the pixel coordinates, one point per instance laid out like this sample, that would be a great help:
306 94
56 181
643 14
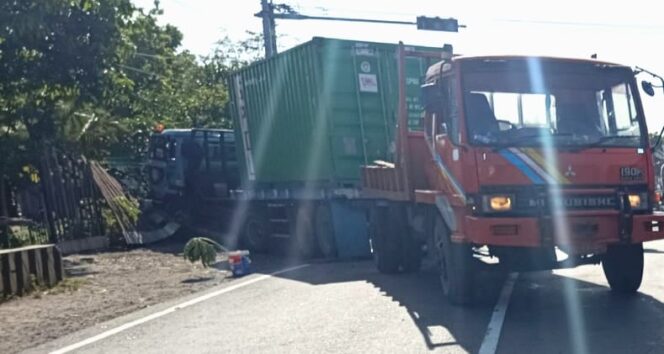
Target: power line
580 24
271 11
336 10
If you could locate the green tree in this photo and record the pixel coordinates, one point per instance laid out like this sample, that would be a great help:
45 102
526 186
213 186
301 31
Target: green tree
55 57
97 75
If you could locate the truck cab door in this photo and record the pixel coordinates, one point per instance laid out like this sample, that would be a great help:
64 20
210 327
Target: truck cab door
455 163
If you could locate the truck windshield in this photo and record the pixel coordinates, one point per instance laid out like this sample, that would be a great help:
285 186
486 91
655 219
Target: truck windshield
570 104
162 147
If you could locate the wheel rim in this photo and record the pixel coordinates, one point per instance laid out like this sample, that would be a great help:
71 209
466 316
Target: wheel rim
254 234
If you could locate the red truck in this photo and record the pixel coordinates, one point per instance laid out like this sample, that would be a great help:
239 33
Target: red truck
523 163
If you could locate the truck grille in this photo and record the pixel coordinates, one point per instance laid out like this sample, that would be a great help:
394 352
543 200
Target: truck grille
525 202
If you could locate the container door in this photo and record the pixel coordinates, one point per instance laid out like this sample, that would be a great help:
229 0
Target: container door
359 113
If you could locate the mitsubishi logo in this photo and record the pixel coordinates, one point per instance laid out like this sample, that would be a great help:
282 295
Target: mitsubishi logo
570 172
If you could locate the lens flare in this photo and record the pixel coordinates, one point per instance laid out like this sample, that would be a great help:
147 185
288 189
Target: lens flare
560 223
259 147
306 208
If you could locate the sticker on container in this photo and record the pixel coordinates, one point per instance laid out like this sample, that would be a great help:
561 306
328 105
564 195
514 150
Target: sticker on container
362 49
415 81
368 83
365 67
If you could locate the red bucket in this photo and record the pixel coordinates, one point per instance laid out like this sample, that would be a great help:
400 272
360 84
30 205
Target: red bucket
239 262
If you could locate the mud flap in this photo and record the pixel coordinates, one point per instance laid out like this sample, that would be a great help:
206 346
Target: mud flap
350 230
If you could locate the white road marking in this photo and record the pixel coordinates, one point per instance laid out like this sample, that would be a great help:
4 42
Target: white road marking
172 309
490 342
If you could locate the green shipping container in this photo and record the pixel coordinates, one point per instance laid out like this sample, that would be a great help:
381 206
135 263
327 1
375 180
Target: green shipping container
319 111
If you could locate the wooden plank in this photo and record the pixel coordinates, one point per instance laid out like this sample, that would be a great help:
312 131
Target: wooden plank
48 266
57 264
9 273
19 267
2 277
36 265
21 249
384 163
23 283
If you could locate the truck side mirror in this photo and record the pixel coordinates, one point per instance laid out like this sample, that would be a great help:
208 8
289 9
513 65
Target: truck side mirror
658 142
432 97
647 88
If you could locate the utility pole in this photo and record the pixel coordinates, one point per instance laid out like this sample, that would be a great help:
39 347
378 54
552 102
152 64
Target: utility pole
270 12
270 37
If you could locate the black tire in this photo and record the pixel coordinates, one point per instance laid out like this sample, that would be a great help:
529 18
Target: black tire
411 260
255 232
623 267
384 240
457 271
302 231
325 231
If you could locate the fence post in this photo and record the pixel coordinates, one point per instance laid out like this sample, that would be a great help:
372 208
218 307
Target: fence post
4 212
45 178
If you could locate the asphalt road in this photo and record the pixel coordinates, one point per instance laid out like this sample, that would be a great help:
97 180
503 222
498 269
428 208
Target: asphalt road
350 307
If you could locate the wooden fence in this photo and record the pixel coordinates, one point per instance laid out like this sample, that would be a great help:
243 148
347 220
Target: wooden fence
23 268
72 202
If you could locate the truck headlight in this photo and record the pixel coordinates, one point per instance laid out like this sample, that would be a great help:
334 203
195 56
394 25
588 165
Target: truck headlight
498 202
638 200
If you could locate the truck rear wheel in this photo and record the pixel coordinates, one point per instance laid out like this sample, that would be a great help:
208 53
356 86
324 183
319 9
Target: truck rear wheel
623 267
302 231
384 240
411 248
255 232
456 266
325 231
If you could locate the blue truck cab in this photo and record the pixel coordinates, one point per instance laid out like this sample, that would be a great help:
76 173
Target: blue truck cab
197 163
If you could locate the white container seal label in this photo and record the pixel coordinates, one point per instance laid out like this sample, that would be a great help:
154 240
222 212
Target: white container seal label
368 82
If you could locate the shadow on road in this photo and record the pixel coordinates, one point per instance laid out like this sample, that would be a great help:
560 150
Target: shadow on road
652 250
421 295
560 314
542 313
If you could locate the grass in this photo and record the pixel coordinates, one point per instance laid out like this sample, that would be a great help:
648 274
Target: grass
68 285
37 290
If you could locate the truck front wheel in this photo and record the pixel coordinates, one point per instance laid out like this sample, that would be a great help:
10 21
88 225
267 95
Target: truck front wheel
456 266
623 267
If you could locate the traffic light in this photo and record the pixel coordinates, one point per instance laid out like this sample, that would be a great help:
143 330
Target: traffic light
437 24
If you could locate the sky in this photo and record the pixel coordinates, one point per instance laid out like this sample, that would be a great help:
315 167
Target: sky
629 33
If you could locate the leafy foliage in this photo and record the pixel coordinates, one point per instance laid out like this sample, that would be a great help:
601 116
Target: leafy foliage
202 249
20 236
97 75
129 207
